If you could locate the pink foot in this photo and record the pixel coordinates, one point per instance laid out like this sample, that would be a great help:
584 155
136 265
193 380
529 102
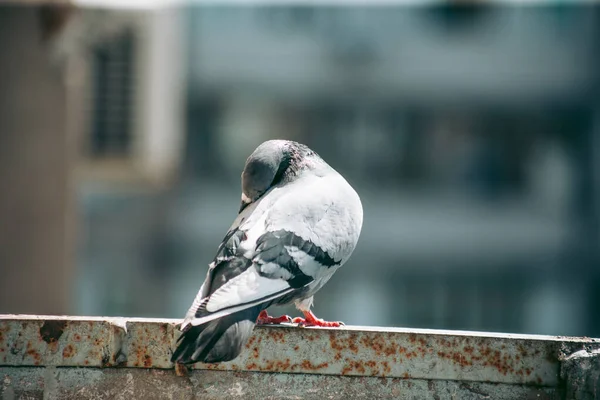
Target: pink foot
311 320
266 319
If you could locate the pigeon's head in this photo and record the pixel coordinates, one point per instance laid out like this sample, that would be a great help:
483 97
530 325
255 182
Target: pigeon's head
272 163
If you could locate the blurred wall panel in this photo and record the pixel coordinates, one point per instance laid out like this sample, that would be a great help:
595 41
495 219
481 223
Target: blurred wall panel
36 205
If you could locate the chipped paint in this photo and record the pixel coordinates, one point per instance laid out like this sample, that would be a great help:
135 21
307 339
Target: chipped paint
28 341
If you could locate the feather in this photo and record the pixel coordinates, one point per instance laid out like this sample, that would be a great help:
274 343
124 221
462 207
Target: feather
218 340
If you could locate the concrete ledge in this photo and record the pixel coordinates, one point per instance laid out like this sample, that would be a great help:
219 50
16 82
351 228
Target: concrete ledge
148 384
385 360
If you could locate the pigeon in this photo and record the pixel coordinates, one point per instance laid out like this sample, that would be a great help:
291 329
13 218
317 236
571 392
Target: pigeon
299 222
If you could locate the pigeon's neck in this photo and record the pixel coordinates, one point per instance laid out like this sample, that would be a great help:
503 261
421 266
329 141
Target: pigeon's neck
310 166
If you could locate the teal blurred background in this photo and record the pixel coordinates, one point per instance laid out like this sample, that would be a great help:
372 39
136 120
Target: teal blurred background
471 133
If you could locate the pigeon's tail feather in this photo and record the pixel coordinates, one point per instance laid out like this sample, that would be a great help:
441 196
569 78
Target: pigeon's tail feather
218 340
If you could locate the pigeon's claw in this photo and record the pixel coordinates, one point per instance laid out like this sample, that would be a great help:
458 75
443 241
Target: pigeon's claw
266 319
311 320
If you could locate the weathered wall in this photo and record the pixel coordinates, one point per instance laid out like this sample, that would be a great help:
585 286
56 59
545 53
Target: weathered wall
84 357
36 201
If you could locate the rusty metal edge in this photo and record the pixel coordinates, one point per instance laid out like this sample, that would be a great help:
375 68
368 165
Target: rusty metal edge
358 328
66 341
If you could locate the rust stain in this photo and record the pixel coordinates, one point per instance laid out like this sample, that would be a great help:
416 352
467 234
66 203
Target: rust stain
37 357
280 365
276 336
251 367
391 349
94 355
164 328
181 370
381 346
386 367
68 351
354 365
483 355
53 347
77 337
52 330
142 358
333 342
213 366
306 364
147 361
343 344
250 341
296 348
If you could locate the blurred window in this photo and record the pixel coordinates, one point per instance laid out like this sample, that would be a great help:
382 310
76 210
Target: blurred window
453 17
289 18
113 85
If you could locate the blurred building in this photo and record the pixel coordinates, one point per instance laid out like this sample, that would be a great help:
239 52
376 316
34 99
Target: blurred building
470 133
131 147
460 129
37 205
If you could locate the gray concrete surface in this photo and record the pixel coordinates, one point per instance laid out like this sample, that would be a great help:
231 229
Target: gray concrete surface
128 383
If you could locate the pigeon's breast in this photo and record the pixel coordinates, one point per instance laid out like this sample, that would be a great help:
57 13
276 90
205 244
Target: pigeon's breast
323 210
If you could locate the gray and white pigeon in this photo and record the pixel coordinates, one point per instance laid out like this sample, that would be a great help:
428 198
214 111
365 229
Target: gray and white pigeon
299 222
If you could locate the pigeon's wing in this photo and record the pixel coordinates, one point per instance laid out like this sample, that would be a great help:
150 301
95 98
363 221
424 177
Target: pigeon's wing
238 277
228 248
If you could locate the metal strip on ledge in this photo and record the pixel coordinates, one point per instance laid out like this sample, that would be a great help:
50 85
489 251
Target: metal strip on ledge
28 341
